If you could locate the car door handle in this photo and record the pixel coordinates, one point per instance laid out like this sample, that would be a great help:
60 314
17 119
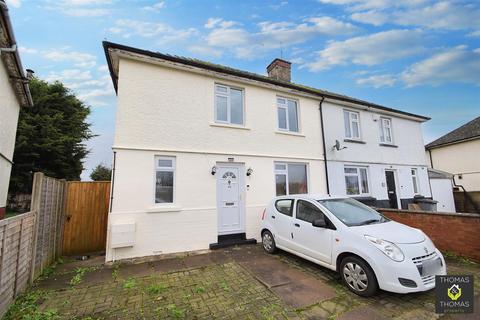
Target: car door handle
297 225
273 217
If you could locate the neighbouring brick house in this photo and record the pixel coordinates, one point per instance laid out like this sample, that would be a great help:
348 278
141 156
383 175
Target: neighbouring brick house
14 94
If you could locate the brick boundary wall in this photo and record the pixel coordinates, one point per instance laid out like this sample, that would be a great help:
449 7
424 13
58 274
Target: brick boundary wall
454 232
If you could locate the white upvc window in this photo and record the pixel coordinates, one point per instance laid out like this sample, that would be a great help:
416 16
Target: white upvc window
352 124
164 179
356 180
287 112
290 178
386 134
229 106
416 187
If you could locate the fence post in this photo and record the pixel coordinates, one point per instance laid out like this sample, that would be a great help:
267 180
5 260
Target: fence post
35 206
15 283
61 218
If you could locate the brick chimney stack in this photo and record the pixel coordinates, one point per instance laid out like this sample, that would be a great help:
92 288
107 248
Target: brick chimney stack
279 70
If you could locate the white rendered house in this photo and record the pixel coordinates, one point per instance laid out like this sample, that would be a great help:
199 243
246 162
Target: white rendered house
14 93
200 149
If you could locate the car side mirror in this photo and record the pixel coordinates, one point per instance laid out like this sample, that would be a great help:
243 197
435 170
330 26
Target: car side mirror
319 223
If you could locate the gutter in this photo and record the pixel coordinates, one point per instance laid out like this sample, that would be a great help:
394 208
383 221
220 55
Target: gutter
323 144
14 50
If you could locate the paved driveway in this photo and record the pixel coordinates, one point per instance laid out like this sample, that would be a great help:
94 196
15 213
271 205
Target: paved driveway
235 283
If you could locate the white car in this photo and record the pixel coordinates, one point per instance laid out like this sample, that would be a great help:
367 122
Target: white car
367 249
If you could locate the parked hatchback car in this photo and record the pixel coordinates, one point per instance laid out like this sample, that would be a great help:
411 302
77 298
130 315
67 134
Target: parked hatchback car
368 250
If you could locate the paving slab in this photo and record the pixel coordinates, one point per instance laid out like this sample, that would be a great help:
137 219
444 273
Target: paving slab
304 292
362 313
168 265
200 260
134 270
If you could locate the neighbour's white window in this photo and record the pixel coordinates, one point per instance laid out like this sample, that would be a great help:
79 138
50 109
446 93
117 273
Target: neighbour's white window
229 105
386 130
356 180
352 124
414 173
287 114
164 179
290 178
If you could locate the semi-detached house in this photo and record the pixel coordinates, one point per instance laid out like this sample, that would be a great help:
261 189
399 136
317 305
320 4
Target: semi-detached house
200 149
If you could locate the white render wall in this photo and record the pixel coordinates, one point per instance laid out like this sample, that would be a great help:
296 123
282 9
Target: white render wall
191 223
9 109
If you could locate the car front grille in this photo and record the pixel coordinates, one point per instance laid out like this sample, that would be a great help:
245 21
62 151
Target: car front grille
427 279
420 259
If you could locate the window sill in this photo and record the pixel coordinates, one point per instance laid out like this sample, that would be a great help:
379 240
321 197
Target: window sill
289 133
169 208
226 125
354 141
387 145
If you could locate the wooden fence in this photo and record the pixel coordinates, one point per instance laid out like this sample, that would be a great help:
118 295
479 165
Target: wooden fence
31 241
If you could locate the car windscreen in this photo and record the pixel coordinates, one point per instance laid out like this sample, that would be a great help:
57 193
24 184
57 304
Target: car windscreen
351 212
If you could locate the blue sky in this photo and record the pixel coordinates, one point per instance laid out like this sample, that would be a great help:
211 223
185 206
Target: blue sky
420 56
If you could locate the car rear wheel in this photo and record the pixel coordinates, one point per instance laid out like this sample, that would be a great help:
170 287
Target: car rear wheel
358 276
268 242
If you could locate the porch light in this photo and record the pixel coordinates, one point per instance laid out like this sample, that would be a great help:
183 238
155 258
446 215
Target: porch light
214 170
249 172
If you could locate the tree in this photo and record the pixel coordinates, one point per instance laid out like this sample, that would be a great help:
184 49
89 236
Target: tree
51 136
101 173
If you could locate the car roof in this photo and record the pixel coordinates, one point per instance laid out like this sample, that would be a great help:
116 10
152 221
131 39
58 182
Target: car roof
314 197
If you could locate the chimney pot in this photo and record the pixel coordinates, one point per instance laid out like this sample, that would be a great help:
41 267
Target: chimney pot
280 70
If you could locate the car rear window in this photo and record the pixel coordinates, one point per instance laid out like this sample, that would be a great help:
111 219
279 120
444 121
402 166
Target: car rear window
285 206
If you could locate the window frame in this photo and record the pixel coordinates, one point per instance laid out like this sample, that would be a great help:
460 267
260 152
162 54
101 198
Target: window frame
229 108
158 168
359 180
285 172
350 120
415 180
285 107
382 130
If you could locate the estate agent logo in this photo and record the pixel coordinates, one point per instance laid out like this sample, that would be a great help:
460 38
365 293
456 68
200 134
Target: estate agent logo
454 294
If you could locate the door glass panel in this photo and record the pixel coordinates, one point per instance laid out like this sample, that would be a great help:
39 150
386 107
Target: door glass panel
308 212
222 108
281 184
282 118
297 178
292 116
284 206
236 106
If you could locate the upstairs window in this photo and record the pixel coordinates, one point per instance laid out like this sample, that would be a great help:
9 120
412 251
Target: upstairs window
287 114
290 178
356 181
229 105
414 173
386 130
352 124
164 179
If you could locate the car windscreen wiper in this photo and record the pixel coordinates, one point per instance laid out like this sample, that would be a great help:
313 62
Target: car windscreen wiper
370 221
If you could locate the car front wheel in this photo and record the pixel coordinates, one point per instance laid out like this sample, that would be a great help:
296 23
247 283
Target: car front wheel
268 242
358 276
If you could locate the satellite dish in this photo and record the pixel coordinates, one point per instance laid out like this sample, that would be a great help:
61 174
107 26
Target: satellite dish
337 146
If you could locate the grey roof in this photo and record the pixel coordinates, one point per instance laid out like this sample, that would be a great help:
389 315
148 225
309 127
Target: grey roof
470 130
439 174
244 74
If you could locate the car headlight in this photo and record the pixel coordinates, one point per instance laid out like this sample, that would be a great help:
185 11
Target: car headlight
388 248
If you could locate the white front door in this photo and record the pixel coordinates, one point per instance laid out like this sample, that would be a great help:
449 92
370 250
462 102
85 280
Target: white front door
230 205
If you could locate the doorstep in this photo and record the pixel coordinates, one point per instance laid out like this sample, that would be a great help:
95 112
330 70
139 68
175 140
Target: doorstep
229 240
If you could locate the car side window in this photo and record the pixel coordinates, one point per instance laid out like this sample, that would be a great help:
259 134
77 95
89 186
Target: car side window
285 206
308 212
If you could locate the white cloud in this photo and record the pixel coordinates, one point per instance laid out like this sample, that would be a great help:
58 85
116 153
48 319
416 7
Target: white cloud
81 8
14 3
205 51
26 50
377 81
80 59
457 64
369 50
270 35
165 33
68 75
156 7
377 18
358 5
103 68
87 12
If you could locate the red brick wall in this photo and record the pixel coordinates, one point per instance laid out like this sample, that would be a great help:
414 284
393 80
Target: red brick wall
2 213
454 232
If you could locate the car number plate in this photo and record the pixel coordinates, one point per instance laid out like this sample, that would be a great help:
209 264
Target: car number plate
431 267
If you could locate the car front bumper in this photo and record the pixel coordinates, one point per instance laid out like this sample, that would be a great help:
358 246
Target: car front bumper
413 268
